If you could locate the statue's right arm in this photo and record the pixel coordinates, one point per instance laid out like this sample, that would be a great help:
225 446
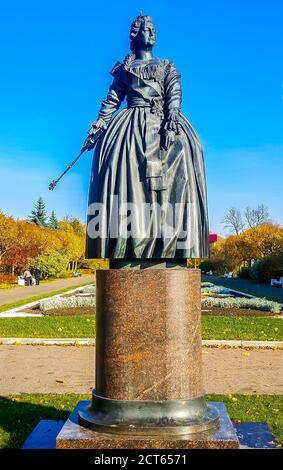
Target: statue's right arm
110 105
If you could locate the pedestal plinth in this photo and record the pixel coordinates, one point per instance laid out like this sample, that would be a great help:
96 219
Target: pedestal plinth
74 436
148 354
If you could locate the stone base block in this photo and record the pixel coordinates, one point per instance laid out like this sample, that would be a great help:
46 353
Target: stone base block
74 436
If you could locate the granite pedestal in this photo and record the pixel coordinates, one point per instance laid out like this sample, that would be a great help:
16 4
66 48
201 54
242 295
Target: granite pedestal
74 436
149 390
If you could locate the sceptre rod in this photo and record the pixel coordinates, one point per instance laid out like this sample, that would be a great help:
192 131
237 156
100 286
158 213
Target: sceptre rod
85 147
54 183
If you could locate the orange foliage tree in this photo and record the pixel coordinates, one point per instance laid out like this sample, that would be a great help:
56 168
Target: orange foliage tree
236 251
22 241
8 234
261 241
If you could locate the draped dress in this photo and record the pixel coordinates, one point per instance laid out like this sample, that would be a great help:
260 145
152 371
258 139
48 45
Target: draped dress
146 201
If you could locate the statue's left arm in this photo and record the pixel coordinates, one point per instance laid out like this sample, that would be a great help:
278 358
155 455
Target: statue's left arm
172 104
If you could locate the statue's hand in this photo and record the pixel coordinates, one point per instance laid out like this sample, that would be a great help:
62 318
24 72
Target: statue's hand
171 128
168 139
96 125
88 143
172 121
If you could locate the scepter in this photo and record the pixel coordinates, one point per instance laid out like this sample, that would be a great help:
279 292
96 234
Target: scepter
89 143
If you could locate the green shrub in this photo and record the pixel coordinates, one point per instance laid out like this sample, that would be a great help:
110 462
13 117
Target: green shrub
266 268
51 265
217 265
206 266
244 273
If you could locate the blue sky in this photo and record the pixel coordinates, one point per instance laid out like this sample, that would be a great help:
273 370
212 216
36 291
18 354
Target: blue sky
55 63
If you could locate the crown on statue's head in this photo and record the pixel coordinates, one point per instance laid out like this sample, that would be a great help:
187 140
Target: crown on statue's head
136 24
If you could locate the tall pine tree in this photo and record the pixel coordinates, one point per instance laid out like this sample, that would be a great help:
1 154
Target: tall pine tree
53 221
38 214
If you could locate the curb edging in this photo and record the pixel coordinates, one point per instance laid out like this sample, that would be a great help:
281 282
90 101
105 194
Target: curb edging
91 342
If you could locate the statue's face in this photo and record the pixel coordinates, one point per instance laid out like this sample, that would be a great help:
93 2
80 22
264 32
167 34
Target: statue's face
147 34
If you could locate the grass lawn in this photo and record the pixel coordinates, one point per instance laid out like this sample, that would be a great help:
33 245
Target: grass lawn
213 327
48 327
242 328
19 303
20 414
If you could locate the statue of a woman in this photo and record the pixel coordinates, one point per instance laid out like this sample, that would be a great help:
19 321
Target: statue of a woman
147 196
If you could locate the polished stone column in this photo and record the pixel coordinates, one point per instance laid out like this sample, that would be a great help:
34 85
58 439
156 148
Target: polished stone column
148 354
148 334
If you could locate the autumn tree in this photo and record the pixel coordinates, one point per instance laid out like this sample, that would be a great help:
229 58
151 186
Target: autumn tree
8 234
261 241
237 251
27 245
78 227
21 242
73 245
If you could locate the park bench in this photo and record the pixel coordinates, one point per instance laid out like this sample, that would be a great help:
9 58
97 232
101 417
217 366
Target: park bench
276 283
228 275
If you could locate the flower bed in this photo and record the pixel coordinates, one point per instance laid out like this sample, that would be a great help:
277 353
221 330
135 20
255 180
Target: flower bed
88 289
241 302
215 290
207 284
57 303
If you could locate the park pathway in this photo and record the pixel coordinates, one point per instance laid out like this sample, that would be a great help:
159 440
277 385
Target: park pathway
22 293
66 369
245 285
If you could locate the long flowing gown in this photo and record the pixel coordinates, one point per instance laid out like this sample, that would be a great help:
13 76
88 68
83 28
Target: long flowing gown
133 175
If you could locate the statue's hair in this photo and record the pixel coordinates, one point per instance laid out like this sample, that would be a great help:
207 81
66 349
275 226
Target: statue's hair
135 29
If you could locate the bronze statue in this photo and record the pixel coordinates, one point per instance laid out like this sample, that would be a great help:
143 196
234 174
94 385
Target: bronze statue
147 195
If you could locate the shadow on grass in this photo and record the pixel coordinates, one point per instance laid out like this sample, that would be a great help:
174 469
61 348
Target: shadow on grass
20 414
18 419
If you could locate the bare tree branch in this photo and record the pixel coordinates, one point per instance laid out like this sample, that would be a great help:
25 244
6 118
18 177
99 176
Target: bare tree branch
233 221
258 216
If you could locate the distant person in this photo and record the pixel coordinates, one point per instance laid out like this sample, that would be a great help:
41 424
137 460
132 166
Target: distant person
37 274
27 278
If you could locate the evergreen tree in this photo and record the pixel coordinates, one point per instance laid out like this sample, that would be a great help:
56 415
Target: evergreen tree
53 221
38 214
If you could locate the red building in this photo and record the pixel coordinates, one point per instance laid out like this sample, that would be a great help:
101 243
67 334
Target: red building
212 238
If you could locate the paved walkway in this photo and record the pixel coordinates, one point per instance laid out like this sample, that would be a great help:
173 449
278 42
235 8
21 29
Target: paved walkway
65 369
261 290
21 293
